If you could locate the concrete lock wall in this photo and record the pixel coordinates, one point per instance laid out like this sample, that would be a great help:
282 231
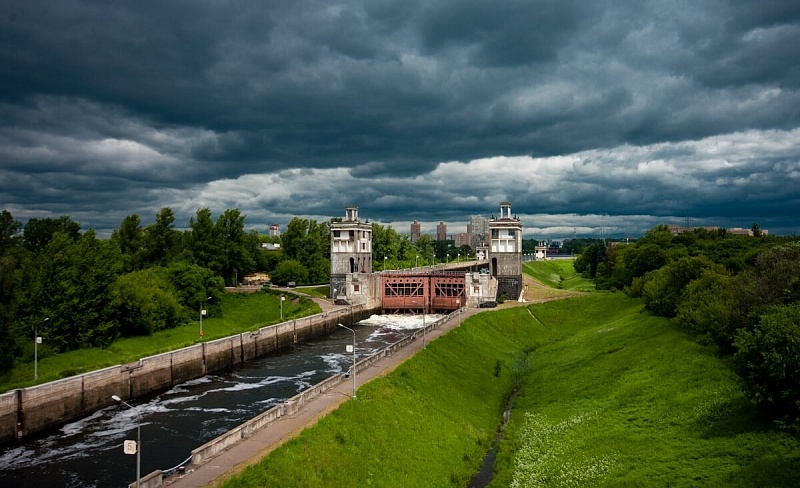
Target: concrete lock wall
29 410
50 404
8 415
98 386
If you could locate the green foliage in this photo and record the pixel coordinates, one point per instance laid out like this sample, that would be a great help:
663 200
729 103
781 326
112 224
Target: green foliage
38 233
289 270
663 288
707 307
768 359
144 302
308 243
194 285
69 282
160 241
235 257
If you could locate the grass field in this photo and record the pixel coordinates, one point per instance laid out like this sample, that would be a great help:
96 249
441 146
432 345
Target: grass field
557 274
626 399
240 313
615 397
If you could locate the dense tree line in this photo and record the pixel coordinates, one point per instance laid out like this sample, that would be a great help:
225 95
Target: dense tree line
79 290
739 292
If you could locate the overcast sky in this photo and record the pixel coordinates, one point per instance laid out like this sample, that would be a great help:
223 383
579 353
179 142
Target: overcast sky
582 114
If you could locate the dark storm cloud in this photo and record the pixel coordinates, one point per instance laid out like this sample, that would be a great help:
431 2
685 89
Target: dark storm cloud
301 107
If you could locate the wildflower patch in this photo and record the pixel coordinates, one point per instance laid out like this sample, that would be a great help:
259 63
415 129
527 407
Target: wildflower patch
543 458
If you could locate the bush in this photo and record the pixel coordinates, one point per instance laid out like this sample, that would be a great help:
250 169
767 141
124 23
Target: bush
768 360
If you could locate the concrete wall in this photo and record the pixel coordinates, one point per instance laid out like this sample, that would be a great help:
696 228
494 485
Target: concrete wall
26 411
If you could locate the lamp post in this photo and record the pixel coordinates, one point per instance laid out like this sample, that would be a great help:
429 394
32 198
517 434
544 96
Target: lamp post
138 438
415 260
202 312
384 263
282 299
354 358
36 341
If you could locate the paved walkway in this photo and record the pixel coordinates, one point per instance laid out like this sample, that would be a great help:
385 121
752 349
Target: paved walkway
251 450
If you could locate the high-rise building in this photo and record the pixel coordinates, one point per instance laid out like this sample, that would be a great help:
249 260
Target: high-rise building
441 231
415 227
477 229
461 239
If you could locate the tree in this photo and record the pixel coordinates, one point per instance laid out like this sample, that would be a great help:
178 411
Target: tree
425 249
69 282
144 302
707 305
194 285
288 271
160 240
663 288
39 232
768 360
130 237
308 243
236 260
9 230
204 242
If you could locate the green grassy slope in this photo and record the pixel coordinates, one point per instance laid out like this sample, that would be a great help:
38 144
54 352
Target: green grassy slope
557 274
428 423
626 399
615 397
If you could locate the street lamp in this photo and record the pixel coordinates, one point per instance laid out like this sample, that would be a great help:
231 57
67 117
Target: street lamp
138 438
36 341
354 358
202 312
282 299
415 260
384 263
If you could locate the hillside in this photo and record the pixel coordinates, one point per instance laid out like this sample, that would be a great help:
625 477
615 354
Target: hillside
614 397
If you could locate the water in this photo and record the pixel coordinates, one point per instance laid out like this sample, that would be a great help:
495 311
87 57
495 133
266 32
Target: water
88 452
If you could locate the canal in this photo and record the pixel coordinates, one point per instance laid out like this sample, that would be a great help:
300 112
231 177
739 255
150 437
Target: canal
89 453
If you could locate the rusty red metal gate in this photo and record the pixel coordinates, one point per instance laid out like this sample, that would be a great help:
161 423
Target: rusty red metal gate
437 292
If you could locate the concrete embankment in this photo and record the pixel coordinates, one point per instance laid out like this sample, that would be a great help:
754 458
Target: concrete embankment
26 411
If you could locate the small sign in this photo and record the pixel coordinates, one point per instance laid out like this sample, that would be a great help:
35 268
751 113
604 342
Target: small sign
129 447
203 313
283 298
349 348
38 339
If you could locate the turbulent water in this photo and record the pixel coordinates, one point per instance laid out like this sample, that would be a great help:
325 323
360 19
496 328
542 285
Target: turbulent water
88 452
